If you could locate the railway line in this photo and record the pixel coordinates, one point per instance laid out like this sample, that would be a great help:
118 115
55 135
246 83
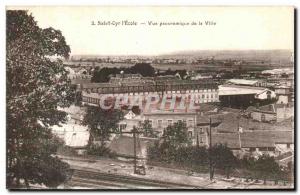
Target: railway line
92 179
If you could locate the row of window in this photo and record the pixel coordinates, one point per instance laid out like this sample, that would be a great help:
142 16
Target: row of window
196 98
160 122
147 89
154 92
201 138
91 100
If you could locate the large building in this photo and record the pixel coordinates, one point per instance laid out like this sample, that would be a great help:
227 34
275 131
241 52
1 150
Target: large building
161 120
244 96
246 82
197 121
198 91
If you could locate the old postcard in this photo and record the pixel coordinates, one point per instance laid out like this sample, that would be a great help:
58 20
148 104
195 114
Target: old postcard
137 97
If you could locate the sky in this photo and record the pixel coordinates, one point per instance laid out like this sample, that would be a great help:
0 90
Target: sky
236 28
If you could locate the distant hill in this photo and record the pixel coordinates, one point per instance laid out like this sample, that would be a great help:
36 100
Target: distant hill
281 56
266 55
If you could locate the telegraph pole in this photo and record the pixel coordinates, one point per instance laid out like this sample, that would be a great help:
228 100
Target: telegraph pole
135 134
210 148
134 149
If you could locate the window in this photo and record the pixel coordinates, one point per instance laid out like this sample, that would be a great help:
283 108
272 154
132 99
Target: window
159 123
190 124
203 96
212 96
170 122
150 123
288 145
263 117
190 134
123 126
201 139
201 130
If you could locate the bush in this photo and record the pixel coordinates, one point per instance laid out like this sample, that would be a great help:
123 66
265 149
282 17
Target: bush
97 150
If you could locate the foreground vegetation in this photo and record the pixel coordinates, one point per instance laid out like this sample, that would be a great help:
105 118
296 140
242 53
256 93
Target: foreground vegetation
175 149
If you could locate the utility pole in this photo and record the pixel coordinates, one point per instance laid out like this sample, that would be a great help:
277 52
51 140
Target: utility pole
134 148
134 133
210 147
238 129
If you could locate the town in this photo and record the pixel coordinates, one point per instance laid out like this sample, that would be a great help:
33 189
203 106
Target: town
251 112
145 108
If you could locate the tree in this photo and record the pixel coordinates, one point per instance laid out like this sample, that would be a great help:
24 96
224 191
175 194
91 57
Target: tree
101 123
248 163
222 158
266 167
145 69
103 74
176 135
37 84
199 155
147 129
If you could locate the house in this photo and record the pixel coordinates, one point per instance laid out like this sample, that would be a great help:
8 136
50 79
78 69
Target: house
130 120
165 78
284 112
202 130
123 146
72 132
272 112
162 119
245 143
279 71
284 94
231 140
256 143
244 96
284 141
125 78
264 113
246 82
74 135
199 77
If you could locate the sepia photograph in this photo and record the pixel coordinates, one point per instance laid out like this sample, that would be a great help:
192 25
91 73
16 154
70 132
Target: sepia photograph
150 98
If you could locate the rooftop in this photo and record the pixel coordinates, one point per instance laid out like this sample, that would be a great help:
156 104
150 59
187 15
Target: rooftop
231 121
239 90
123 146
250 139
229 139
242 81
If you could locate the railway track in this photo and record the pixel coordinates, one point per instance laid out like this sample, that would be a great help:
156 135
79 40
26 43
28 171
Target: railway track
99 180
